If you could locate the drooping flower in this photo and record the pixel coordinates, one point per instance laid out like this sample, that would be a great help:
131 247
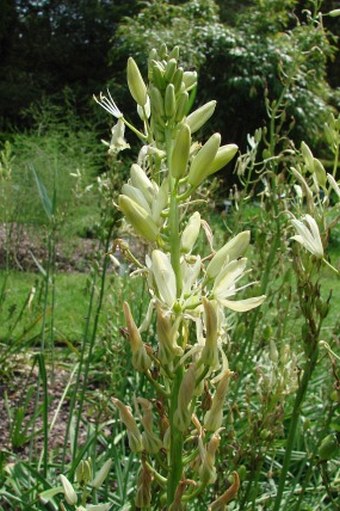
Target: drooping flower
308 235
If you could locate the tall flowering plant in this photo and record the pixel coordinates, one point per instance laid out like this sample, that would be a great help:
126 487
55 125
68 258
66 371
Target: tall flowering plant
177 433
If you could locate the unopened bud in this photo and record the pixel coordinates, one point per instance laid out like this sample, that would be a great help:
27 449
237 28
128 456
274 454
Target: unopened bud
69 493
156 101
170 69
334 13
136 83
320 172
213 418
101 475
190 79
139 218
182 106
233 249
164 276
140 359
177 79
307 156
203 159
180 153
174 54
223 156
136 195
140 180
183 413
158 76
134 436
170 101
190 233
200 116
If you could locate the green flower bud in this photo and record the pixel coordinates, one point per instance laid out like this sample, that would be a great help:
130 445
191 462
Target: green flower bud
307 156
223 156
320 172
174 54
140 359
233 249
101 475
190 233
190 79
177 79
203 159
136 195
170 101
182 106
136 83
158 76
139 218
156 101
134 436
334 13
200 116
180 153
69 493
170 69
140 180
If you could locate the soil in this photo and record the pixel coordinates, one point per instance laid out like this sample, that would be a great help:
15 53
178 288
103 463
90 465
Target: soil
24 248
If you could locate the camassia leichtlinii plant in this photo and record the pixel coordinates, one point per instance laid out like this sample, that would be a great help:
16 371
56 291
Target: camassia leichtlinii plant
177 431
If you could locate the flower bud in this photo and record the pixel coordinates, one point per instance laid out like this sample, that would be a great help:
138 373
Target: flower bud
69 493
156 101
200 116
190 233
180 153
136 195
209 355
164 276
158 76
170 69
183 413
203 159
190 79
134 436
152 444
320 172
174 54
177 79
170 101
136 83
101 475
307 156
182 106
233 249
223 156
334 13
140 180
160 202
144 480
139 218
140 359
213 418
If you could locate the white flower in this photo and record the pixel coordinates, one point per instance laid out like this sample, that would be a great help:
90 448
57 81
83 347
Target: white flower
308 235
118 142
108 104
164 276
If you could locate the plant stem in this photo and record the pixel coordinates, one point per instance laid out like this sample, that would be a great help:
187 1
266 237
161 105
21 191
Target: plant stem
309 368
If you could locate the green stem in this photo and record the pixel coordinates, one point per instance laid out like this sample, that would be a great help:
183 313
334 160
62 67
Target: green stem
308 371
176 442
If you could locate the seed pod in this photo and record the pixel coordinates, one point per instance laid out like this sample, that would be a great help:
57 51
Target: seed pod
136 83
200 116
170 101
182 106
233 249
180 153
203 159
139 218
223 156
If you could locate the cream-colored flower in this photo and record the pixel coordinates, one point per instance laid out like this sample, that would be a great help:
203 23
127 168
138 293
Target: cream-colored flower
308 235
108 104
